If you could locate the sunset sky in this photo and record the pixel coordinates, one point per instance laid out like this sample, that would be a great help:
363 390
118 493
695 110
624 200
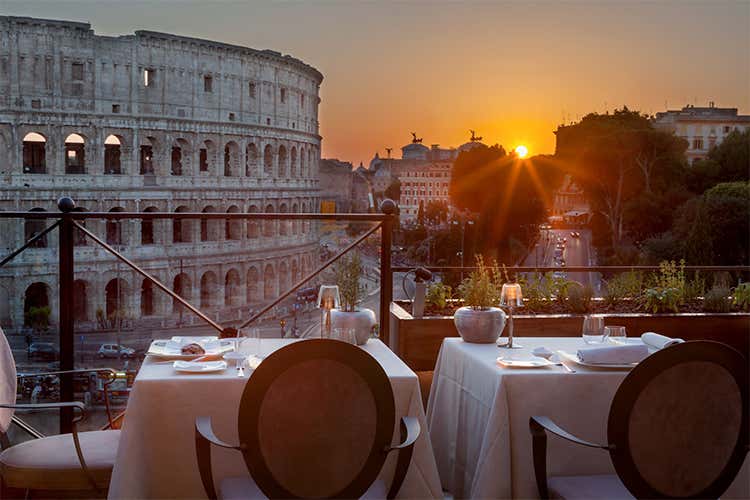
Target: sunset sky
509 70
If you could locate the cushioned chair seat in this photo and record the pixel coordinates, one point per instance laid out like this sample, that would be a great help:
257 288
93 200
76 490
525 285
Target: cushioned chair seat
604 486
51 463
240 488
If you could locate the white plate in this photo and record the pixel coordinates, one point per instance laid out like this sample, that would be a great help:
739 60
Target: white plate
611 366
170 349
199 367
524 363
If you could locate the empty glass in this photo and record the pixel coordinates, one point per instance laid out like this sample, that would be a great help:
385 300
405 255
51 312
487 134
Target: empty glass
593 329
251 337
613 332
347 335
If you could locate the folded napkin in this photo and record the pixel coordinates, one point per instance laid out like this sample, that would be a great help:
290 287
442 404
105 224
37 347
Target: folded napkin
542 352
657 341
613 355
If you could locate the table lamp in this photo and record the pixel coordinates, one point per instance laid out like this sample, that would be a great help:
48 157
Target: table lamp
328 298
510 297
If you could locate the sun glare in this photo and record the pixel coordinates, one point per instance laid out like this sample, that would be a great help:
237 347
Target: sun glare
522 151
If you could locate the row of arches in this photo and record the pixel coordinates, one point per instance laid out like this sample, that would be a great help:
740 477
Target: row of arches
183 158
211 290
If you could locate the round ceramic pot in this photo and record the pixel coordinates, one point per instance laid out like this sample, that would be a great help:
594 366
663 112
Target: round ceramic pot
479 326
361 320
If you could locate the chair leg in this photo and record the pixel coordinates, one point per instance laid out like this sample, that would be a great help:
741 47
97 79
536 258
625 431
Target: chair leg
539 451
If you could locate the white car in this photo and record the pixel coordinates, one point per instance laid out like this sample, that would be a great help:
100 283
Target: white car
115 351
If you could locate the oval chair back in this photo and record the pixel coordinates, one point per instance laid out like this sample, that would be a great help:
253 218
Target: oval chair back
8 385
678 423
316 418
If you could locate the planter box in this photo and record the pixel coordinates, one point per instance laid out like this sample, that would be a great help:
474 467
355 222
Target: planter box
417 341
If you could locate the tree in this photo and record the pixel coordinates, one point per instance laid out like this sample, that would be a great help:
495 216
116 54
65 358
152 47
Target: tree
420 213
393 191
733 157
436 211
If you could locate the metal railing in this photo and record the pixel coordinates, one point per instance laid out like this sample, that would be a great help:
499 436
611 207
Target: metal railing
67 222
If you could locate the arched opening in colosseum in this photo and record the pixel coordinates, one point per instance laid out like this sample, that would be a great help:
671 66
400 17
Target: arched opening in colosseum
180 157
147 228
112 152
36 311
232 296
306 223
310 165
80 300
33 227
251 160
79 237
252 286
208 289
116 294
269 283
268 224
283 277
252 224
114 229
34 153
293 163
181 228
147 298
295 222
268 161
207 157
283 224
233 227
295 272
282 161
182 286
231 159
302 163
75 154
210 227
147 156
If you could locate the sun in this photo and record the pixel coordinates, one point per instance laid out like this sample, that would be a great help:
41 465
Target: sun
522 151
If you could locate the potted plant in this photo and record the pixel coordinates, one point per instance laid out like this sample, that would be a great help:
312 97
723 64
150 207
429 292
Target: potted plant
351 291
480 321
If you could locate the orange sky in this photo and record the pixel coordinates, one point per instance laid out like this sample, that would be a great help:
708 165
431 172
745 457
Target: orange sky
508 70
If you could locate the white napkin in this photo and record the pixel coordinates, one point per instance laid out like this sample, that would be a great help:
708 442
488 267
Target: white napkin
658 341
7 381
613 355
542 352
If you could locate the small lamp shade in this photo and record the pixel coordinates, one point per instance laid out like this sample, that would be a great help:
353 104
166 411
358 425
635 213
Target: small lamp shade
328 297
510 296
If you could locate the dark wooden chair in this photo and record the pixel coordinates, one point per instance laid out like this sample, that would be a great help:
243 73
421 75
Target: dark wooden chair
316 420
79 463
678 428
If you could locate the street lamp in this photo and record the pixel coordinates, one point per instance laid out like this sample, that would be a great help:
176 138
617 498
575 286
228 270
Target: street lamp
463 223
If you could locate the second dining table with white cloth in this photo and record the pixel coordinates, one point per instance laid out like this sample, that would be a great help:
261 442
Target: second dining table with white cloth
478 415
156 457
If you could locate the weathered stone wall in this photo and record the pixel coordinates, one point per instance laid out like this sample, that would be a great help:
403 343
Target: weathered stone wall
213 127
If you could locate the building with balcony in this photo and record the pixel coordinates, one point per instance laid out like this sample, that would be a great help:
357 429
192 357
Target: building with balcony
702 127
154 122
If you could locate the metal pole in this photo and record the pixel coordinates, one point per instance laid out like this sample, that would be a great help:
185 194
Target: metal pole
463 238
388 207
66 299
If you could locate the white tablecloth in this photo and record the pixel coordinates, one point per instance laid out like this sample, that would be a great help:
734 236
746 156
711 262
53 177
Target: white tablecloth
156 457
478 415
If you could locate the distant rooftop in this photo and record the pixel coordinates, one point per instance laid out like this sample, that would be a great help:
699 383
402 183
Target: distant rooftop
707 113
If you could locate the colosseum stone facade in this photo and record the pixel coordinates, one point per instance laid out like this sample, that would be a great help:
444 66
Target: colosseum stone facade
154 122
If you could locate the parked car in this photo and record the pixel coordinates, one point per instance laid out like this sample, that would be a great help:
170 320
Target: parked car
115 351
309 294
43 350
575 234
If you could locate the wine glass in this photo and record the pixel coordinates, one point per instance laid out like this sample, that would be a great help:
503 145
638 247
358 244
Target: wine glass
593 329
616 333
252 338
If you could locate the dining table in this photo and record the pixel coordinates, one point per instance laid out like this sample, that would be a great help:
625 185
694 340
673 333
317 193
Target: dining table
156 457
478 416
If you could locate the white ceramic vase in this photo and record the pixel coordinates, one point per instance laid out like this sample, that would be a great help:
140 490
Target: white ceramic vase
361 320
479 326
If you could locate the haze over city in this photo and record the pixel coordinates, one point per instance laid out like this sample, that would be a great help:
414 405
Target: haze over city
510 71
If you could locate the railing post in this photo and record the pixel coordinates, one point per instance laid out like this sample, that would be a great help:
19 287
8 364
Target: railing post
66 298
388 207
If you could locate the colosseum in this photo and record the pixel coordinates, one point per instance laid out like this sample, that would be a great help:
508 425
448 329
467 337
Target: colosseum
154 122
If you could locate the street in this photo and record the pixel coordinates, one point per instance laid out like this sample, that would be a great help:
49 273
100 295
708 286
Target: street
576 252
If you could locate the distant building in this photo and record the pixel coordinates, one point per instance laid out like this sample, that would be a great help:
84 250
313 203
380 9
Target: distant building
335 185
362 190
570 204
703 128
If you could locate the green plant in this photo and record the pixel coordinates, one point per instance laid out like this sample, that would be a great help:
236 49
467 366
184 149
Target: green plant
560 287
348 274
438 294
537 289
579 297
717 300
623 286
38 317
481 289
741 296
660 299
671 276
